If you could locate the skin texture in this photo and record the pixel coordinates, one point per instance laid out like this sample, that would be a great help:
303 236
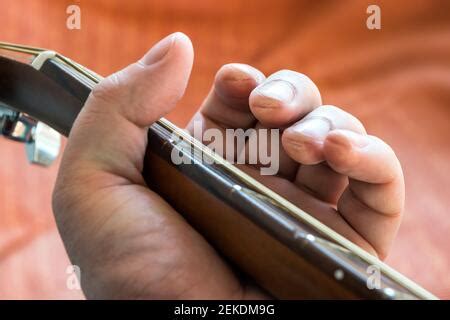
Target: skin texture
130 243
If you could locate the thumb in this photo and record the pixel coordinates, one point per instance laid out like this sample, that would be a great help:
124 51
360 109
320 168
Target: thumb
109 136
148 89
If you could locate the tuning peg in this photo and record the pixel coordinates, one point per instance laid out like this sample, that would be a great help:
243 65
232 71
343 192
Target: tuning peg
44 145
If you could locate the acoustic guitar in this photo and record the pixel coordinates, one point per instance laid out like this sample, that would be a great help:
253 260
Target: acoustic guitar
281 247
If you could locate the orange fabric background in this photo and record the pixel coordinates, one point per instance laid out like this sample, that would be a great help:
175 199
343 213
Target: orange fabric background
396 80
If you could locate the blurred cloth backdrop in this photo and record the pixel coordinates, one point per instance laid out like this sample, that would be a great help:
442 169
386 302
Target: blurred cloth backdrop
396 80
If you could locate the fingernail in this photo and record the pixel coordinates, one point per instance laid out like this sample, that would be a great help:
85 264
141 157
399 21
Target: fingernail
159 50
278 90
315 129
357 140
346 138
242 72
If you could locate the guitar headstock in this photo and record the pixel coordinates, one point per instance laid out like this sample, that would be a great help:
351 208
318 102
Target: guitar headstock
42 143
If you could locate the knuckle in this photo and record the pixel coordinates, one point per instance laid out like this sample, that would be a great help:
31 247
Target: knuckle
108 89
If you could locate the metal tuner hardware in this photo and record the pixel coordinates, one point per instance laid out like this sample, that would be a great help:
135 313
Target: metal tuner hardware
42 143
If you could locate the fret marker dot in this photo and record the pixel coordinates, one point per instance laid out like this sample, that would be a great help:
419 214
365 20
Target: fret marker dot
389 292
339 274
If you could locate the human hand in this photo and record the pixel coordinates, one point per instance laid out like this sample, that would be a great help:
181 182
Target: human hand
129 243
328 165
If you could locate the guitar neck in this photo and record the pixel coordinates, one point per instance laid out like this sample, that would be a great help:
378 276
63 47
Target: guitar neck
285 250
